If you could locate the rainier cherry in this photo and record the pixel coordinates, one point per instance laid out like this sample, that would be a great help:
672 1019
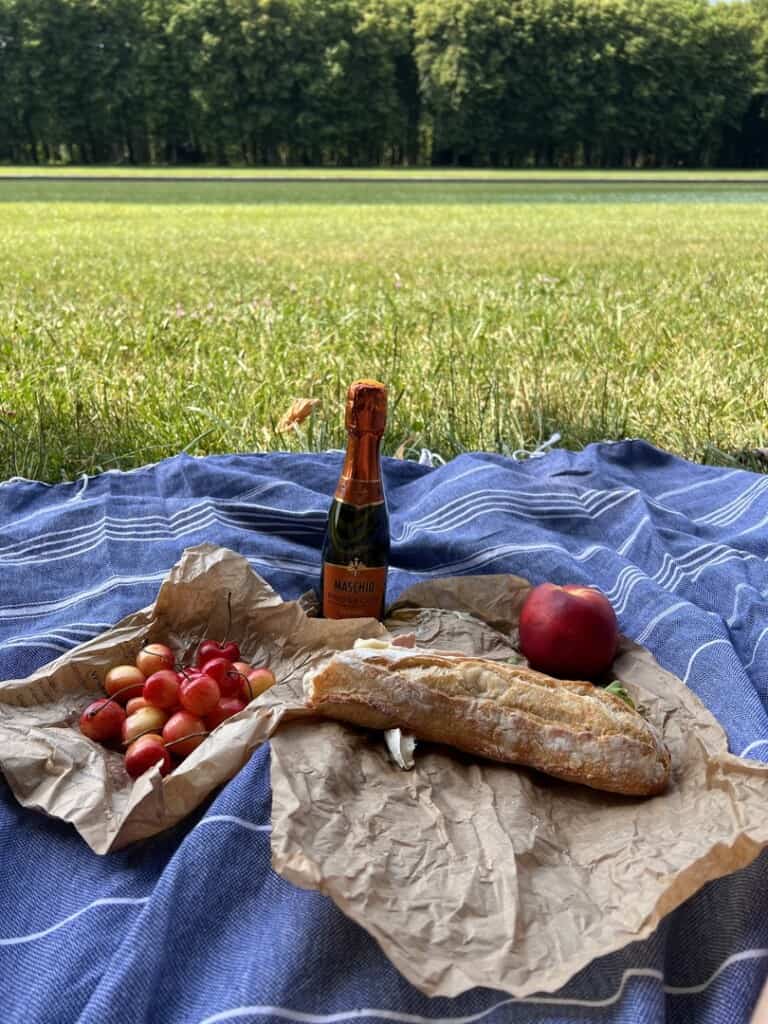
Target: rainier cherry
235 679
180 733
230 682
199 695
134 704
154 657
144 720
161 689
213 649
102 720
259 680
217 668
124 682
145 752
226 707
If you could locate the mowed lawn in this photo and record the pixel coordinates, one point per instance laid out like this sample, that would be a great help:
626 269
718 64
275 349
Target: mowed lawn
140 319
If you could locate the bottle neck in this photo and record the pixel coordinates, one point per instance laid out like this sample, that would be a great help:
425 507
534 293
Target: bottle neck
360 480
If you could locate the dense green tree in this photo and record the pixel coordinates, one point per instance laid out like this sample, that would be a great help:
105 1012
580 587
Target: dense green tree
507 82
363 101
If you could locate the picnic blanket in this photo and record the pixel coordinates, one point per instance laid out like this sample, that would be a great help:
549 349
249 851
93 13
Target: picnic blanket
193 926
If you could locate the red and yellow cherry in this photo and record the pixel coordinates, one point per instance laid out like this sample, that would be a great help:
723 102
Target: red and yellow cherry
144 753
226 708
161 689
199 695
102 720
144 720
154 657
134 704
258 680
214 649
217 668
242 667
231 682
124 682
181 733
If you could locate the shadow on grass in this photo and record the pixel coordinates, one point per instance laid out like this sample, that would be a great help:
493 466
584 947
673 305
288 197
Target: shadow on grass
356 193
55 444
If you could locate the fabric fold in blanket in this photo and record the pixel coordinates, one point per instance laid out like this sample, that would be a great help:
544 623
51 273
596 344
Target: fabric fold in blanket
193 926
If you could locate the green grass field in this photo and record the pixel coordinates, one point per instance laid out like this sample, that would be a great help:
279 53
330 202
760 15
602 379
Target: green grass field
139 319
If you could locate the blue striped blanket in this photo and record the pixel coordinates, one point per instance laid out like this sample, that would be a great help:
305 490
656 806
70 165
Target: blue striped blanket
193 926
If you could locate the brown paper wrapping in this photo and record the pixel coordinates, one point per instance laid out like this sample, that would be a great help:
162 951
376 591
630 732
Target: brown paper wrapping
52 767
466 872
473 873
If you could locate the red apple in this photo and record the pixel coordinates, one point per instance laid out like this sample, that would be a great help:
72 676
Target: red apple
568 631
124 682
102 720
145 752
226 707
154 657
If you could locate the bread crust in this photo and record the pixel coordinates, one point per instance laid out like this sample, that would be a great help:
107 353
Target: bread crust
572 730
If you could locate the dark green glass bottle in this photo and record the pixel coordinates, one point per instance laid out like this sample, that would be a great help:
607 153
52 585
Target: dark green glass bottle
356 546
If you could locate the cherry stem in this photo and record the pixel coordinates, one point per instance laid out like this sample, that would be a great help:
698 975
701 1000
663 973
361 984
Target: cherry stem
229 615
232 672
154 655
127 743
229 621
129 686
189 736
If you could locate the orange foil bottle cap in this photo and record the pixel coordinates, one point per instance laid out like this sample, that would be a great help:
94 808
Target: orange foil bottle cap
366 407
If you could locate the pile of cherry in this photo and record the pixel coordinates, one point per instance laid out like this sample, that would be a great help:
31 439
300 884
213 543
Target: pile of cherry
154 710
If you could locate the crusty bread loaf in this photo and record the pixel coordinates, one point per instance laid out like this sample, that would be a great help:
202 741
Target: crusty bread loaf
572 730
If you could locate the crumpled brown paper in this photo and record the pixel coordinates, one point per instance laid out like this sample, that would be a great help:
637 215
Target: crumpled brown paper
466 872
474 873
52 767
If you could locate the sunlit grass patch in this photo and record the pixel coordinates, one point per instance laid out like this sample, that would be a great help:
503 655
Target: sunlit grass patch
133 326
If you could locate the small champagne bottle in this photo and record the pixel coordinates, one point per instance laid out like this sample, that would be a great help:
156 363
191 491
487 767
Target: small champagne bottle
356 546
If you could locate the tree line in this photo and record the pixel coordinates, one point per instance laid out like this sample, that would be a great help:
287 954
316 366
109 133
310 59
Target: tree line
558 83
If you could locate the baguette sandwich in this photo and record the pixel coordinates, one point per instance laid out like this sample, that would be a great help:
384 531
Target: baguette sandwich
572 730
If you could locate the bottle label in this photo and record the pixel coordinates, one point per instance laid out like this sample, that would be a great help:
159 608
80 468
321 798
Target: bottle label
353 591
